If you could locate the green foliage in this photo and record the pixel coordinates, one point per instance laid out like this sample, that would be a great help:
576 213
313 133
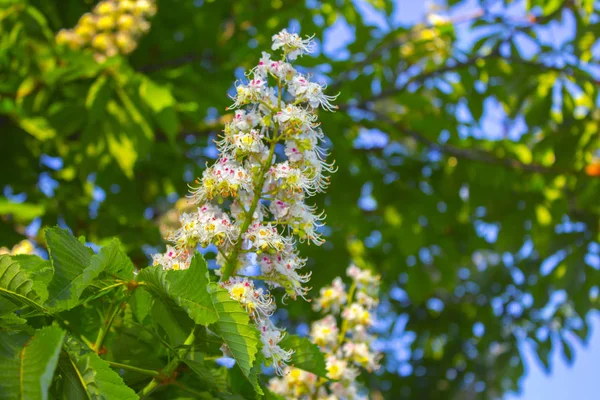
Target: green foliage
73 269
27 363
135 126
307 355
16 286
188 289
240 336
88 376
152 326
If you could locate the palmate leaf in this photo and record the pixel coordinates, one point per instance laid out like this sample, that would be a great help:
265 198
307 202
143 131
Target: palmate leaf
239 334
73 269
187 288
204 375
307 355
39 270
114 261
16 286
87 376
27 363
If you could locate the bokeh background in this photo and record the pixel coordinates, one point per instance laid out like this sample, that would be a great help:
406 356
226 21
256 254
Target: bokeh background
467 148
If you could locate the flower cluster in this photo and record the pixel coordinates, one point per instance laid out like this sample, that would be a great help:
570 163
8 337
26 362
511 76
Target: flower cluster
23 247
251 201
113 27
347 346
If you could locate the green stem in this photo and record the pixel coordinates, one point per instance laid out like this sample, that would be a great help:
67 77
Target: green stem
134 369
105 327
171 366
342 334
230 266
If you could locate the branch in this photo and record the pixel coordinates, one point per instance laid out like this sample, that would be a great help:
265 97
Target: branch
422 77
467 154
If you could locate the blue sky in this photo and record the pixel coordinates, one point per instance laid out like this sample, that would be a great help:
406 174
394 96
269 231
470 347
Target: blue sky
578 380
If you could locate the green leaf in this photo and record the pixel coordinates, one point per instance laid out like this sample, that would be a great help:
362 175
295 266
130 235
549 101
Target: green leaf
16 285
37 268
114 261
23 212
203 373
11 320
97 97
38 127
236 330
307 355
88 376
73 268
141 304
156 96
187 288
27 364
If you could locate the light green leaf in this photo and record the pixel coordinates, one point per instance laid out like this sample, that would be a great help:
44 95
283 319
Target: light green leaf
187 288
543 215
156 96
141 304
307 355
17 286
39 270
114 261
73 268
203 373
38 127
21 211
88 376
236 330
27 364
98 96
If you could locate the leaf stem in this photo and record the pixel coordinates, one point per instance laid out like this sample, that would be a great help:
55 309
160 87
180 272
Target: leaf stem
134 369
171 366
107 323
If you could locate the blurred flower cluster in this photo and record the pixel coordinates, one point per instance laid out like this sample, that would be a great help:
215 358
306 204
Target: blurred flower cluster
251 201
23 247
113 27
347 344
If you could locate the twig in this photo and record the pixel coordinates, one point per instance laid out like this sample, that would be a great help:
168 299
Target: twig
468 154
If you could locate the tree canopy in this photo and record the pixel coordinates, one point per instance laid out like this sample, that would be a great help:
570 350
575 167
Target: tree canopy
466 147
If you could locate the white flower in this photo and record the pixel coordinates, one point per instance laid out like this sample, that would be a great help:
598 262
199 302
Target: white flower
266 237
292 45
364 278
294 383
332 297
361 355
209 225
325 332
172 259
257 302
252 92
356 314
264 194
339 369
366 300
311 92
270 337
224 178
